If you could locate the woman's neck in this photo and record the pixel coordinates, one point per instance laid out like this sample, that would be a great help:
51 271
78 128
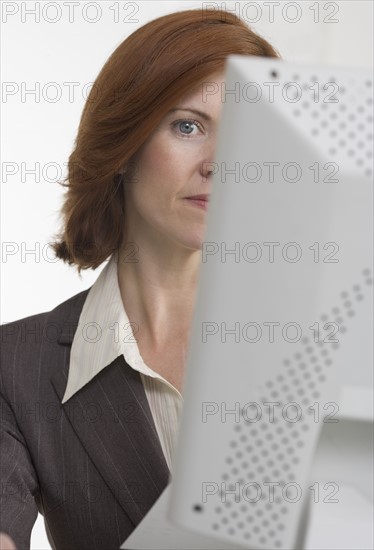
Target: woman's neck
158 290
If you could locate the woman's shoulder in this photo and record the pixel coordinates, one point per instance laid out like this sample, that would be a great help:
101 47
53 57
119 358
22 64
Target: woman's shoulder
41 327
32 347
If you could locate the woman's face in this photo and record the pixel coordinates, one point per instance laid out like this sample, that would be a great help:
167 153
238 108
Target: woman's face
173 164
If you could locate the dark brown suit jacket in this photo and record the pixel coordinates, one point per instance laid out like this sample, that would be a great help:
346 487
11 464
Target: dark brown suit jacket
93 466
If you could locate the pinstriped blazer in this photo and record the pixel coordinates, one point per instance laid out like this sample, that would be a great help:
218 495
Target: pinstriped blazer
93 466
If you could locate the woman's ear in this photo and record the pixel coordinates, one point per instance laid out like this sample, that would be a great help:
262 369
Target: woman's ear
123 170
130 171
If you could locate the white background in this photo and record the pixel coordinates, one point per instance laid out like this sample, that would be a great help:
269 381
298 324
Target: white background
37 129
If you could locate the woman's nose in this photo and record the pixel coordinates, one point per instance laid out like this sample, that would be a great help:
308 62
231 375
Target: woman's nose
207 165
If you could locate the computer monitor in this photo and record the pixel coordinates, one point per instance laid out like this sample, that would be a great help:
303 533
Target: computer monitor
275 443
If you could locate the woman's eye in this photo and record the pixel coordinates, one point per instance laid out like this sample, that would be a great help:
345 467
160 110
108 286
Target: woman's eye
185 126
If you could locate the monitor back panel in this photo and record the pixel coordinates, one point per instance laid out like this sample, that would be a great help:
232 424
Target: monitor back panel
283 315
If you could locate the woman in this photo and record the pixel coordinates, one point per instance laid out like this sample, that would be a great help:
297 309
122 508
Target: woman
91 405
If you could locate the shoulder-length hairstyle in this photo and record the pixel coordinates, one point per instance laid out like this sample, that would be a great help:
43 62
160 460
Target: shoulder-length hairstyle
140 82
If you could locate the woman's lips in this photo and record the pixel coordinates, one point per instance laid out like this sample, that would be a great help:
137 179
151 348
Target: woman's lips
198 202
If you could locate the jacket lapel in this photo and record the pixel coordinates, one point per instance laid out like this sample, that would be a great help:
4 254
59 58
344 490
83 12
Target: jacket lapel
112 418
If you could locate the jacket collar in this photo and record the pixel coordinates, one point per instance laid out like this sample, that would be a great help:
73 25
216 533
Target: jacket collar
122 442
